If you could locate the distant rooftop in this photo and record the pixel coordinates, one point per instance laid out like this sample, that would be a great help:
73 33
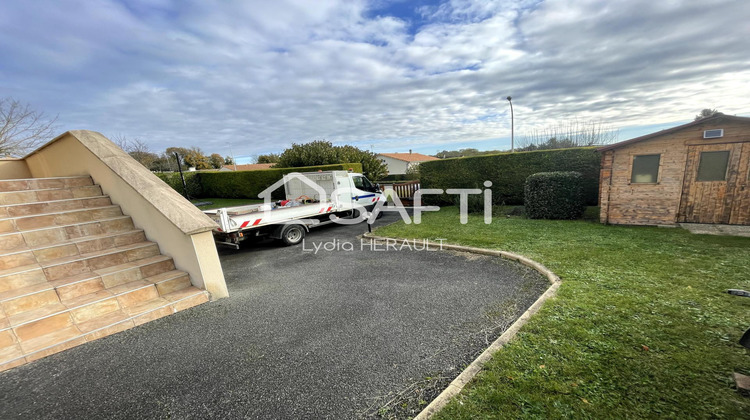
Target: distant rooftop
249 167
409 157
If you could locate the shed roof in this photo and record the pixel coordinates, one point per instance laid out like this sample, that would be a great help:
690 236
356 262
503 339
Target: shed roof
409 157
715 118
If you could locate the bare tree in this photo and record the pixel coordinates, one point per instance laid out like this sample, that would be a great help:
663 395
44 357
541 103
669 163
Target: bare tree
572 133
22 129
121 141
137 149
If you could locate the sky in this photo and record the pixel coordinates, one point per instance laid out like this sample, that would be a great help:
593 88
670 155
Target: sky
252 77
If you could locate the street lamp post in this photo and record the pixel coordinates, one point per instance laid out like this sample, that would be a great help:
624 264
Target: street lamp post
234 162
512 128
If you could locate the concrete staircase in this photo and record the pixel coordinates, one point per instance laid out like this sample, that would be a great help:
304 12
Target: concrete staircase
74 269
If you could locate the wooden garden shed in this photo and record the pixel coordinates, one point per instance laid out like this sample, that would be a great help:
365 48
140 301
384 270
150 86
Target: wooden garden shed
694 173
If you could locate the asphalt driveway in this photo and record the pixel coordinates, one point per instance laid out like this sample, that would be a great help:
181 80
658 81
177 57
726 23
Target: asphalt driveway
334 334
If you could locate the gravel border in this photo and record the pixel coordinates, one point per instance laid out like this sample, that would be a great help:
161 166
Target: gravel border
455 387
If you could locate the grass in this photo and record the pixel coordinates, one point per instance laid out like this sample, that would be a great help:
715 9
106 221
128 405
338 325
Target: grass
217 203
641 326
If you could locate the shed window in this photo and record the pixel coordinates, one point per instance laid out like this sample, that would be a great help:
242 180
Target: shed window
713 166
645 169
713 134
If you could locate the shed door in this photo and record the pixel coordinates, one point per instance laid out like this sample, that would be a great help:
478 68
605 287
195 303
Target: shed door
715 188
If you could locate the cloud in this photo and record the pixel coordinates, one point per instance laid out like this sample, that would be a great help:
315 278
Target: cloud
262 75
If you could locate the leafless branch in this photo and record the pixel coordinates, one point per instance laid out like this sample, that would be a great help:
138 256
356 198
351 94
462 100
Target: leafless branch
571 133
137 149
22 129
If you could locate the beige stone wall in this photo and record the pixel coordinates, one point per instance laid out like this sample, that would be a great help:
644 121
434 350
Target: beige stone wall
182 231
14 169
659 203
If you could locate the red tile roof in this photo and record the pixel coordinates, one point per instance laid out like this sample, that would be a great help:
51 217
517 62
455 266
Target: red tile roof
409 157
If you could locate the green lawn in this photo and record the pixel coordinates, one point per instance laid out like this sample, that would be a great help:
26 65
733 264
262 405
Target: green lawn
641 326
217 203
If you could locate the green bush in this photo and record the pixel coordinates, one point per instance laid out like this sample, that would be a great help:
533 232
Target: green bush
554 195
192 181
508 173
395 178
242 184
475 203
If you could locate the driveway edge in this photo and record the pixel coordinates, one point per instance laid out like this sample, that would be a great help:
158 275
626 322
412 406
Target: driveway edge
458 384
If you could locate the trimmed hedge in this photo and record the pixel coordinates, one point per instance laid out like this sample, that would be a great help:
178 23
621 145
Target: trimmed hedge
395 178
242 184
554 195
508 173
192 181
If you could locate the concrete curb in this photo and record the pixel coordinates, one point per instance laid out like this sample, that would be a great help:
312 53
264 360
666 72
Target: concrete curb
471 371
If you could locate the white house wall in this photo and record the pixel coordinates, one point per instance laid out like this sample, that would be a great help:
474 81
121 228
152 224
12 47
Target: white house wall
395 166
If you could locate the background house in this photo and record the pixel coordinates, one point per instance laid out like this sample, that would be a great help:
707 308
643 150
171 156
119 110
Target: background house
399 163
695 173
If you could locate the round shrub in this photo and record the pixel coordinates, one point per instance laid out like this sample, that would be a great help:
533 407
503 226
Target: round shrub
554 195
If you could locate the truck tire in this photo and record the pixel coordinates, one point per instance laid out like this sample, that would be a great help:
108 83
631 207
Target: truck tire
292 234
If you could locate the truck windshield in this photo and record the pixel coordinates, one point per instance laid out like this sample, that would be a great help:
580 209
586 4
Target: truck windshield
363 183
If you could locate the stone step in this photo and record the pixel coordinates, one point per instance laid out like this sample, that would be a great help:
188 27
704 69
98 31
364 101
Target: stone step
110 277
3 320
10 349
62 218
44 183
61 268
19 279
36 196
56 206
115 280
80 246
60 314
186 298
59 331
74 269
170 281
105 325
54 342
98 260
41 321
29 299
59 234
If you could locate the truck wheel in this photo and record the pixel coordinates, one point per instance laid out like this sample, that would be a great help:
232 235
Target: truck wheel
292 234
